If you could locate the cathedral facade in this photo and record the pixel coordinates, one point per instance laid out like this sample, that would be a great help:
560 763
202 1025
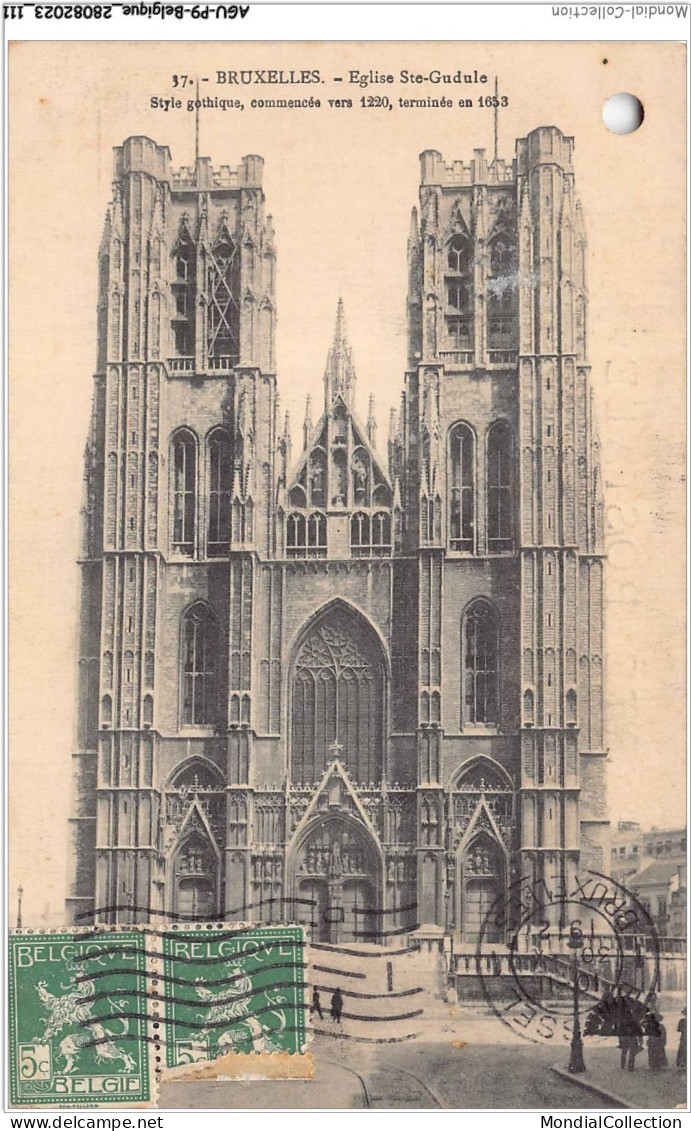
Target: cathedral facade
361 688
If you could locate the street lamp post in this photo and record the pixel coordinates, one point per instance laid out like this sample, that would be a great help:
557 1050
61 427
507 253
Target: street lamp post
576 1061
20 893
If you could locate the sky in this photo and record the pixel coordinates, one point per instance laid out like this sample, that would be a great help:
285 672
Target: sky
340 185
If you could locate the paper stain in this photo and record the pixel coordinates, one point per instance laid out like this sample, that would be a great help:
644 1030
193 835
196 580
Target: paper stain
246 1066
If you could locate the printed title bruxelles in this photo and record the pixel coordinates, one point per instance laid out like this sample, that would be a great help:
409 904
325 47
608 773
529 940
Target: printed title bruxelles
356 78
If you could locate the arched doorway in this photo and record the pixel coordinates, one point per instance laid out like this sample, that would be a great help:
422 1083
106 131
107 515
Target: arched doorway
336 881
482 884
195 879
481 806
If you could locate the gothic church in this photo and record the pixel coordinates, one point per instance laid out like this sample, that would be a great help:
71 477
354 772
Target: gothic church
361 688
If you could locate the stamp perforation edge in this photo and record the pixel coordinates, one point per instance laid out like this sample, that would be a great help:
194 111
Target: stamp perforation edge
155 1022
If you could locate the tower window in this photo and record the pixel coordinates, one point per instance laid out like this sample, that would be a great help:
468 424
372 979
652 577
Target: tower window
223 331
459 294
198 667
480 663
459 255
184 282
462 489
502 293
499 493
218 542
184 492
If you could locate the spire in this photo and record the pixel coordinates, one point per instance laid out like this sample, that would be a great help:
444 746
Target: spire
339 377
107 233
307 425
285 448
371 423
414 235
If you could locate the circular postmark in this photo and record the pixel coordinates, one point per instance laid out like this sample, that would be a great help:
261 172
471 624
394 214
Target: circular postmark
544 953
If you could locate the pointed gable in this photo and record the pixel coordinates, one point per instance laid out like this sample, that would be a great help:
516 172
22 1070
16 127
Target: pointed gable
338 468
335 793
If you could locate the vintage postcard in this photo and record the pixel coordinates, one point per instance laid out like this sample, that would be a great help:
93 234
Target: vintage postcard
347 619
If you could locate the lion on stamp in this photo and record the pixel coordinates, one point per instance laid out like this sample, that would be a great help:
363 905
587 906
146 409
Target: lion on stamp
75 1007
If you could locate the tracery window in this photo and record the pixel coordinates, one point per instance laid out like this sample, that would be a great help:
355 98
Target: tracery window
183 290
459 293
218 542
502 293
459 255
198 662
338 701
184 472
499 490
462 489
370 535
306 535
480 664
223 280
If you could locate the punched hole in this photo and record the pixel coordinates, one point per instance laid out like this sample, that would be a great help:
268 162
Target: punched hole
623 113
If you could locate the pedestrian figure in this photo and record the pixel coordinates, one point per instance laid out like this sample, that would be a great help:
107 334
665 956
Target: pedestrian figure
657 1039
336 1005
630 1034
316 1006
681 1051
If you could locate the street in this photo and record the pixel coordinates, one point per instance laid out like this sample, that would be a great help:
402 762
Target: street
416 1074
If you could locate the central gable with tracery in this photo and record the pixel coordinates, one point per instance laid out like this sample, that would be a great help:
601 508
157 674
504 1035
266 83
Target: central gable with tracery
338 472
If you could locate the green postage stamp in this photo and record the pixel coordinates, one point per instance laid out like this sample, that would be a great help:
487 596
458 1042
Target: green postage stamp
94 1016
78 1019
233 991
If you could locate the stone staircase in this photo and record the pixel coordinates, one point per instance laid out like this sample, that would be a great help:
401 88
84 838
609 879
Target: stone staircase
388 994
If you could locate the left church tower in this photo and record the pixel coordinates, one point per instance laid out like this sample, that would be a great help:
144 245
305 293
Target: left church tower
179 469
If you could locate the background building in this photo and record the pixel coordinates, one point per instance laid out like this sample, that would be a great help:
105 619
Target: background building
360 691
652 864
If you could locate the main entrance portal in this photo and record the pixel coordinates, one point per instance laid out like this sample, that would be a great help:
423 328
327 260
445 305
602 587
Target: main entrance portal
336 883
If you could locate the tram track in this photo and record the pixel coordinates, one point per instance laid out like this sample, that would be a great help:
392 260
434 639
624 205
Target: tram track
374 1095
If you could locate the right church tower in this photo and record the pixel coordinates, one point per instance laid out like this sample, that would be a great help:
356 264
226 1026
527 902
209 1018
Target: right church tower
498 460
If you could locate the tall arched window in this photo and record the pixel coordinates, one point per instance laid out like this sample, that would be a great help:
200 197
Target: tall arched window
480 664
338 700
499 492
218 542
502 293
183 292
459 293
198 662
462 489
223 332
184 470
